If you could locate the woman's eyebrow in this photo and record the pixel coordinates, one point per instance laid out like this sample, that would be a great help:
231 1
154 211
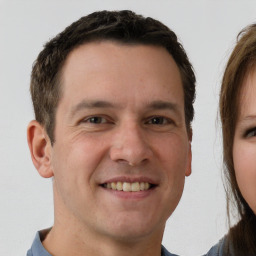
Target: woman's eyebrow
247 118
250 117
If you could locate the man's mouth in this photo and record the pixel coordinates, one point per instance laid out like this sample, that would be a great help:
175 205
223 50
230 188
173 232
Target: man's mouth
128 186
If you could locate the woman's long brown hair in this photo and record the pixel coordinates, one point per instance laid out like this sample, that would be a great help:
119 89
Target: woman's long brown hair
241 237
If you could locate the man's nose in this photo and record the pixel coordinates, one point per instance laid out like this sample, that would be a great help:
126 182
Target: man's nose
130 145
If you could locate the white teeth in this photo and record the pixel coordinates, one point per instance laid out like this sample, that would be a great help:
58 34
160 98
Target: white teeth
146 186
142 186
127 186
113 185
119 186
135 186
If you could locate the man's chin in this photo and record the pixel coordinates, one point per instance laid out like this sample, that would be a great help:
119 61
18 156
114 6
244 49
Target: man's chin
130 232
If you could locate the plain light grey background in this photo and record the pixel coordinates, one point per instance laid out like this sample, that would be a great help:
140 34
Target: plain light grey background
208 32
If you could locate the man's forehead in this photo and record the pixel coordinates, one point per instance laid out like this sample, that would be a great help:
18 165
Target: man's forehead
98 69
93 56
119 45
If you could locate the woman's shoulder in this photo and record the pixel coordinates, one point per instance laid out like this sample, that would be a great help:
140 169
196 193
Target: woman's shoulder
217 249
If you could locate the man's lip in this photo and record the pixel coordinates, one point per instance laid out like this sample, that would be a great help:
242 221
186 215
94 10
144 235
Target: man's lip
131 180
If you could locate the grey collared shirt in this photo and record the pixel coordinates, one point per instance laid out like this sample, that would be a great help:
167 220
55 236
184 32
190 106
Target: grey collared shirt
37 249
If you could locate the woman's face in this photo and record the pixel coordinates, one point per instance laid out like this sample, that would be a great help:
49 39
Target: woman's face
244 149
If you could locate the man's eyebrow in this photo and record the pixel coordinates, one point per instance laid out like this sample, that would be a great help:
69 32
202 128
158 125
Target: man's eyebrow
90 104
159 105
84 104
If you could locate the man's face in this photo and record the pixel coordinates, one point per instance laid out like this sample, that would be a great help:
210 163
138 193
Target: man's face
122 150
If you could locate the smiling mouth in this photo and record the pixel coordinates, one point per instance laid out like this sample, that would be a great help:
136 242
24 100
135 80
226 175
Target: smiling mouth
128 187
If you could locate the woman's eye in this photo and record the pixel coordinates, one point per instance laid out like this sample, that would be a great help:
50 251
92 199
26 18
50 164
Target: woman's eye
251 133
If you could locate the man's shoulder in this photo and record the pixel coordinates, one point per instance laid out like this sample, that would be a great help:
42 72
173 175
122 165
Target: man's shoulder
166 253
37 249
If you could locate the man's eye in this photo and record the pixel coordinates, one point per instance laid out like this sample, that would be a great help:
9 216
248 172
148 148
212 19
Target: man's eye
250 133
96 120
158 120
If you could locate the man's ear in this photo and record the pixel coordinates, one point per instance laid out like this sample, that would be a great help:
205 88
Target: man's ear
40 148
189 164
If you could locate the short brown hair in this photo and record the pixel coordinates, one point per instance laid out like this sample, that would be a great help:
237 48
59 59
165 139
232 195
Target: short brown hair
122 26
240 64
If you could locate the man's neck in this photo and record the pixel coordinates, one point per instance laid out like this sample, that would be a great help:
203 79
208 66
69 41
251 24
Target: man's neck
64 242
